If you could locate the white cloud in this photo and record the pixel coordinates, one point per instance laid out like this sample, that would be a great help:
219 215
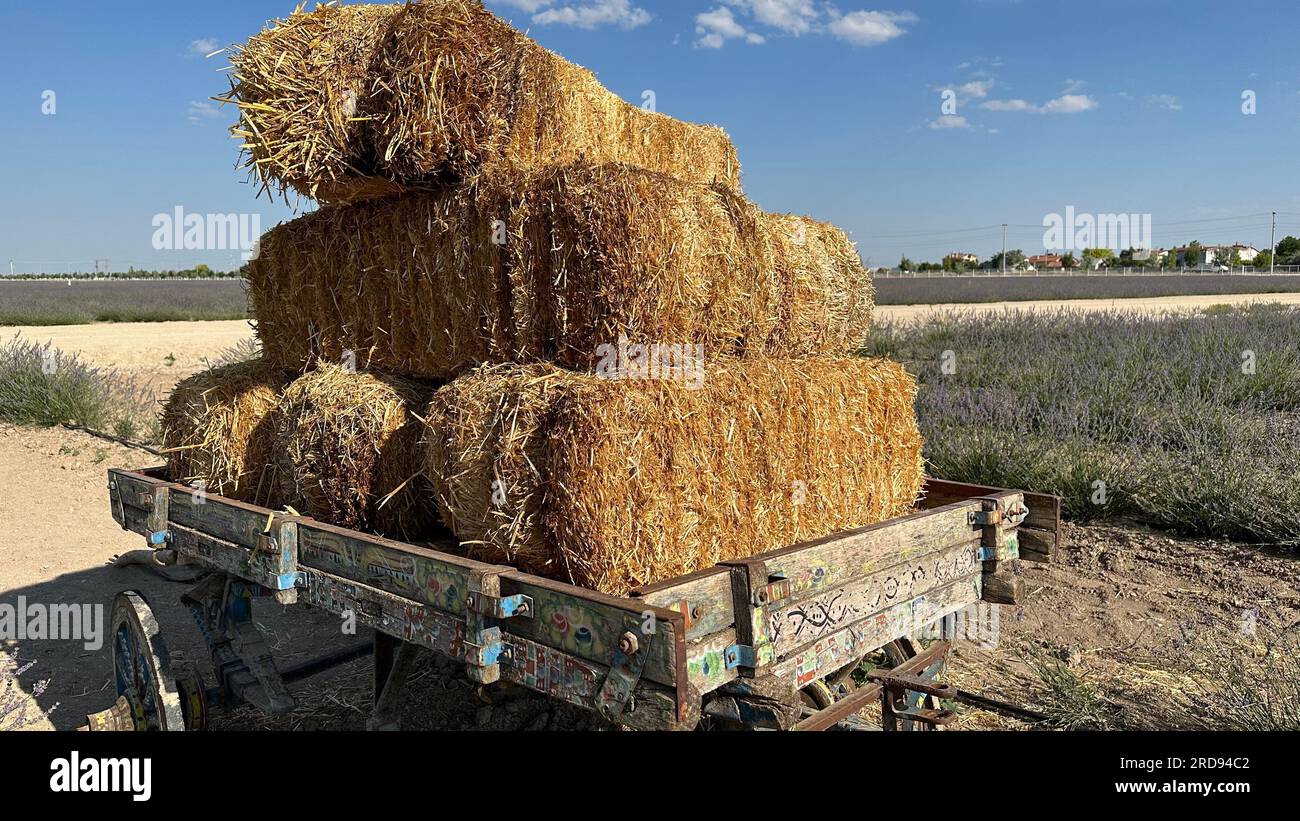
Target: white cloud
790 16
950 121
1070 104
590 14
200 111
1072 86
1065 104
974 90
796 17
716 27
1165 101
203 46
871 28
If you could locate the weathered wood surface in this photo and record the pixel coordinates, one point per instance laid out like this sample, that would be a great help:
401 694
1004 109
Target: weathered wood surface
832 652
1044 509
795 625
589 625
418 573
846 557
1003 583
704 597
706 665
577 681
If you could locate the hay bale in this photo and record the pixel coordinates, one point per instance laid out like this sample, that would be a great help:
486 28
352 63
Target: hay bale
217 432
615 483
347 451
345 103
416 285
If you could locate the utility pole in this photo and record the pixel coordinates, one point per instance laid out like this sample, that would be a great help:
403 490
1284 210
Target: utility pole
1004 247
1272 246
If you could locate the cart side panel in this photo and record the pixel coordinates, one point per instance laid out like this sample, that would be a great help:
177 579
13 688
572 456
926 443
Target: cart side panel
794 625
832 652
1040 535
590 625
703 597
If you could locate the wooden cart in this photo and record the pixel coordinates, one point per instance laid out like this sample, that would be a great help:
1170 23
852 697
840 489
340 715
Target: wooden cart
799 638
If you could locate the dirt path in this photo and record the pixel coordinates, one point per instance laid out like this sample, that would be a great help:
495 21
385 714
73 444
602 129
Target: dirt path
1149 305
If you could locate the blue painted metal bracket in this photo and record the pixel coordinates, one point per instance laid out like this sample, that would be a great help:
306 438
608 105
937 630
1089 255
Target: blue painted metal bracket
740 655
509 607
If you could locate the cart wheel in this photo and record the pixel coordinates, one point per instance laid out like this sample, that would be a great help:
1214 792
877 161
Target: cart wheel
142 666
823 693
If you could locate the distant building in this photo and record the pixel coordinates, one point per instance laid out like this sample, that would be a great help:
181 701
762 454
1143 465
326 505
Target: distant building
1246 253
961 258
1046 262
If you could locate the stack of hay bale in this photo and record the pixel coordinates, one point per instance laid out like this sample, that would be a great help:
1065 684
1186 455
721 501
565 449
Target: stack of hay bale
576 343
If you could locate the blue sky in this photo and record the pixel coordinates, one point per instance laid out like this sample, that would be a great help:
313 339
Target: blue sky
1112 106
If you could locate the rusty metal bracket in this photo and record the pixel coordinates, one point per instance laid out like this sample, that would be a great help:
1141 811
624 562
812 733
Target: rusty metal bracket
617 693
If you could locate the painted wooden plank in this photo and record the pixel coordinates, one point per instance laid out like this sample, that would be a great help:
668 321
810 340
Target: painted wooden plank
704 597
223 518
590 625
424 575
832 652
392 615
705 666
843 558
790 626
577 681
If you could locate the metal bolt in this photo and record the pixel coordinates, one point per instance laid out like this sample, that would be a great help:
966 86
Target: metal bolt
628 644
697 611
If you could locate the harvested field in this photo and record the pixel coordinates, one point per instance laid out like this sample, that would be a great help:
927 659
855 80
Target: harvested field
969 289
612 484
74 302
345 103
425 285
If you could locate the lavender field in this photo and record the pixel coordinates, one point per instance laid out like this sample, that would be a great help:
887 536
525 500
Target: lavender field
1190 422
968 289
73 302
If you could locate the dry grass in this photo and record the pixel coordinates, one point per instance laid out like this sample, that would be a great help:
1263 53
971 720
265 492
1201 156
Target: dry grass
347 451
611 484
217 430
416 284
345 103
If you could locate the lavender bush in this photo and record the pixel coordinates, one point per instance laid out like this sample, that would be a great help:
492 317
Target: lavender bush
64 302
1186 421
965 289
41 385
